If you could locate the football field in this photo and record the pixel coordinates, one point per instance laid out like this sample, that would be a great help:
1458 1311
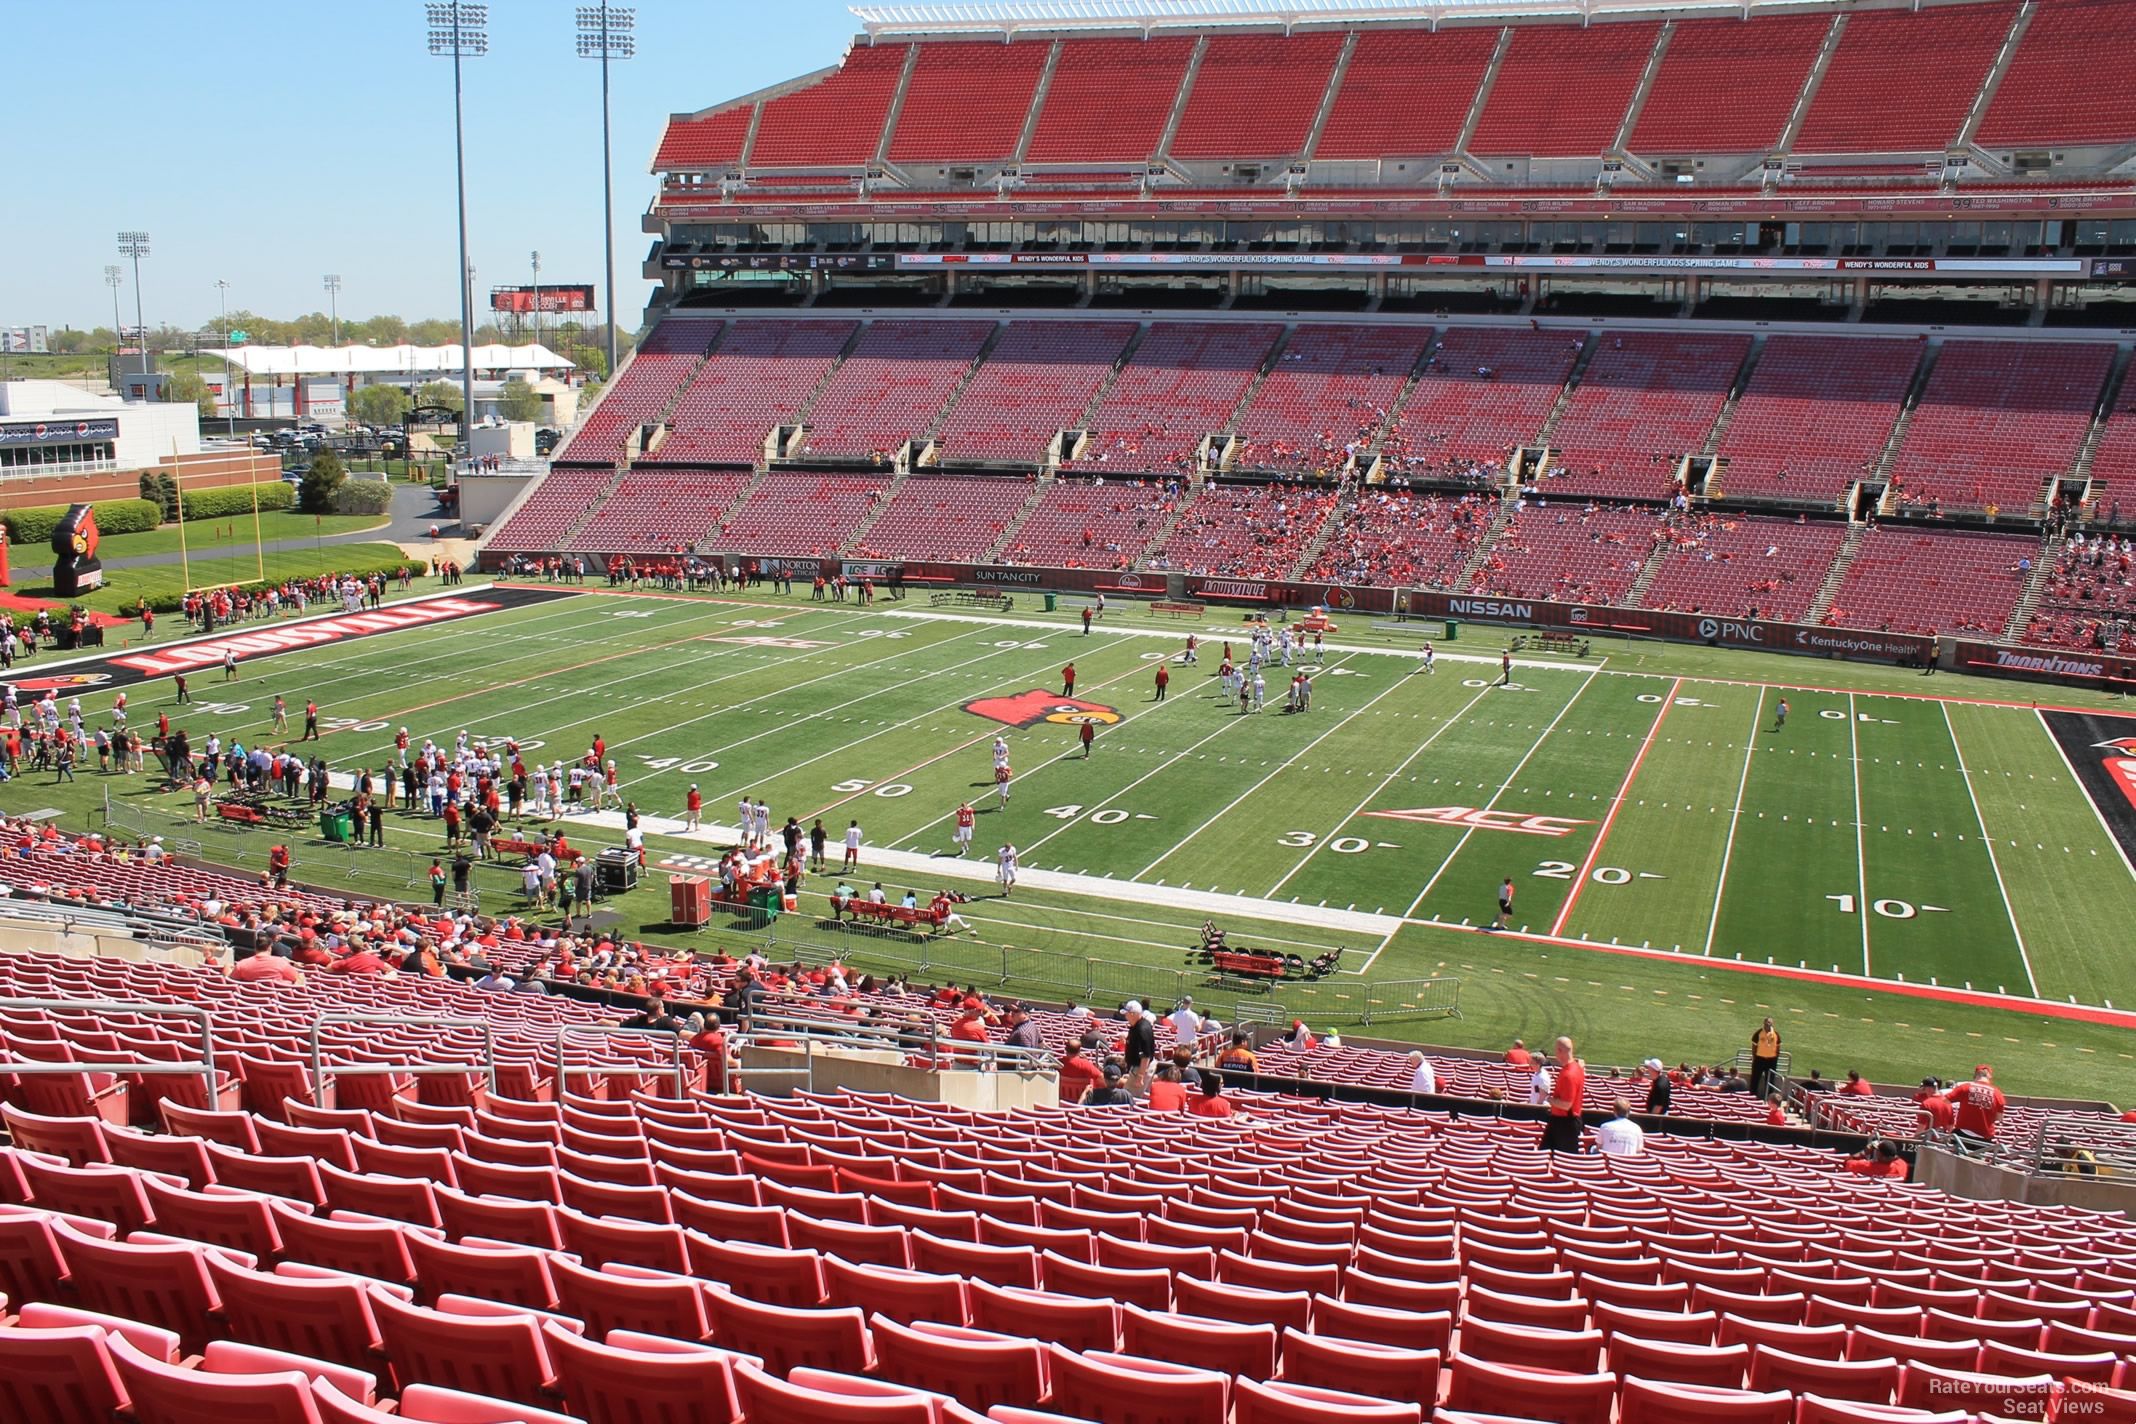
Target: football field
1649 807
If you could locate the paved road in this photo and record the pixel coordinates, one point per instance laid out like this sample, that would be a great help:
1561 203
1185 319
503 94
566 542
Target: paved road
415 510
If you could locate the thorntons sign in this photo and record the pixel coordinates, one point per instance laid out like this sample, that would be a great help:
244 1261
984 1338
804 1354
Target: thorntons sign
2042 664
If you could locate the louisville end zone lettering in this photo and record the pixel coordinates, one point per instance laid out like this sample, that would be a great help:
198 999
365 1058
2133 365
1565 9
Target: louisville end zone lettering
61 682
1470 818
1028 709
209 652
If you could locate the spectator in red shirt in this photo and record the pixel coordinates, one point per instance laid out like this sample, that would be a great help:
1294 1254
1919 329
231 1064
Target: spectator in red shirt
359 960
1518 1055
1856 1086
969 1027
2129 1116
262 967
1212 1102
1878 1159
1936 1112
1979 1104
1078 1075
1561 1130
1167 1093
1775 1113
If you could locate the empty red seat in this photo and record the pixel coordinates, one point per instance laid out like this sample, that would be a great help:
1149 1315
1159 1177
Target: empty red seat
638 1379
822 1398
58 1376
322 1317
978 1367
161 1393
1125 1389
1713 1366
2006 1396
790 1339
1360 1366
1279 1402
502 1356
1645 1402
1866 1381
1075 1322
1482 1386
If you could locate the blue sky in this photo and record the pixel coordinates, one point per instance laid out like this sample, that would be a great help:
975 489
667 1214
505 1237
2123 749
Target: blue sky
270 144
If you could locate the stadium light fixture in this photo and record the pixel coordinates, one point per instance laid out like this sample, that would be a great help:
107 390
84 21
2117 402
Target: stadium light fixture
333 303
459 30
114 278
135 246
605 32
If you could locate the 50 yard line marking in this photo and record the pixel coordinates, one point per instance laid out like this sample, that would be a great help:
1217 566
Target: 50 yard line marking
1989 841
1861 845
1594 851
1735 818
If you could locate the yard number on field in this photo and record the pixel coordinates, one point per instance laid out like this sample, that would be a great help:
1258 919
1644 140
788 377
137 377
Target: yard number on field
1341 845
1111 816
1601 875
1889 909
888 788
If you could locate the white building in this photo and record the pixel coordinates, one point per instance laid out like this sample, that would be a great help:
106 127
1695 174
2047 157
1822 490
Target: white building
52 428
315 382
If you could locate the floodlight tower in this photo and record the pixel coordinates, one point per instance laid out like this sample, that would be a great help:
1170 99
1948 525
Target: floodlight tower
114 278
606 33
459 29
135 246
333 302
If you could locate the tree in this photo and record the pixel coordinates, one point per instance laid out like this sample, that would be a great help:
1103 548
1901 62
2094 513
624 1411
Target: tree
519 401
377 331
379 405
590 359
68 341
325 476
444 393
434 331
189 386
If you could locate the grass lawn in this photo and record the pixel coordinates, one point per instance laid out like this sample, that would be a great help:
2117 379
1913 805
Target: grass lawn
216 538
1662 831
124 586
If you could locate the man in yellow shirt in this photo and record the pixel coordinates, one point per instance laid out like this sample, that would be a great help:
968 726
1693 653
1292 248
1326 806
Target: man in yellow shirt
1764 1058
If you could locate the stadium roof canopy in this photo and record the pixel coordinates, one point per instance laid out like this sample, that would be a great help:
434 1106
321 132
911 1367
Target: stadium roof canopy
1010 16
387 360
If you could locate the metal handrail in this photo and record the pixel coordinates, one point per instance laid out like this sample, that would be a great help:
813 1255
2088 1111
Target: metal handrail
340 1016
205 1069
675 1070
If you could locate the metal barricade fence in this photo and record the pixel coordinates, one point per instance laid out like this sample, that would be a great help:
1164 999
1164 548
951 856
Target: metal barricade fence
2081 1145
202 1068
675 1068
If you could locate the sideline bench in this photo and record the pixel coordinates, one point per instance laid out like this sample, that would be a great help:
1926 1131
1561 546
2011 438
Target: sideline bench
1178 609
918 918
996 602
1552 643
244 815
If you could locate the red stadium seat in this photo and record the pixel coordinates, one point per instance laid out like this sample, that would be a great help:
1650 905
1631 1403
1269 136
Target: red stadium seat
2006 1396
1277 1402
1485 1386
161 1393
622 1297
978 1367
58 1376
791 1339
765 1399
1711 1366
502 1356
1645 1402
323 1317
1074 1322
1359 1366
635 1379
1125 1389
1222 1346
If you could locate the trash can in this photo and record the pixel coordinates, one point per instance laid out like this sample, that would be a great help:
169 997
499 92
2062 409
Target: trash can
1053 602
766 899
337 826
1453 631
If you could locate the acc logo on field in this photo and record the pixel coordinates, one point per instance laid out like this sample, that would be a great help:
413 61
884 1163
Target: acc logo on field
1028 709
1471 818
61 683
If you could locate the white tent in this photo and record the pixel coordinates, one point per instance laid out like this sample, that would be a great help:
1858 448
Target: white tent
387 360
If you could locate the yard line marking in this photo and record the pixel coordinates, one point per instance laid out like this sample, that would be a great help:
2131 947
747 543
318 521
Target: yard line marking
1735 817
1861 848
1511 776
1989 841
1376 791
1113 800
367 753
1281 767
930 761
1594 852
2077 781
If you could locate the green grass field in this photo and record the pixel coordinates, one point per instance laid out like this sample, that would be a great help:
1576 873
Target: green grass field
227 565
1645 801
225 538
